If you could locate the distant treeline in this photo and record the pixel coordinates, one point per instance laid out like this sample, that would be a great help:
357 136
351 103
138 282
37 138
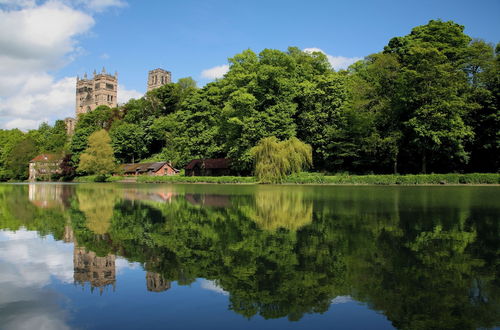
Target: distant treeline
429 102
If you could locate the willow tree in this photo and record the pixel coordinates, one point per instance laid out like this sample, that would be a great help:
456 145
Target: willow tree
275 159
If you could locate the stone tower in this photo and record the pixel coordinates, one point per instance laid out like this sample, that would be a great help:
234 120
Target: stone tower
70 125
158 78
100 90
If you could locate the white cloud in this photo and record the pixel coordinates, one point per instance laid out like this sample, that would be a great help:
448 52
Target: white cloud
104 56
33 41
337 62
36 39
215 72
124 94
40 99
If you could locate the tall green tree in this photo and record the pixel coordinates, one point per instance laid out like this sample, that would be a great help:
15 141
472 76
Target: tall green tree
8 141
17 162
431 93
98 158
483 70
101 117
128 142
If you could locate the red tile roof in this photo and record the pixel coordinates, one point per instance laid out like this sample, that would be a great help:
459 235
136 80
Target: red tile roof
46 158
144 167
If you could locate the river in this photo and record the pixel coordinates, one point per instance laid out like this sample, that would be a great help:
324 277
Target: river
199 256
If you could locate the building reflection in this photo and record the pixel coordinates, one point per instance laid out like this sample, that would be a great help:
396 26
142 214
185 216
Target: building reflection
156 283
99 272
48 196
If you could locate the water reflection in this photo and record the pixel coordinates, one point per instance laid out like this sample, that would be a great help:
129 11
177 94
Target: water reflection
27 265
424 257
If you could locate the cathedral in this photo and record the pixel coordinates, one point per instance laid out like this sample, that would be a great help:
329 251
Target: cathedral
102 89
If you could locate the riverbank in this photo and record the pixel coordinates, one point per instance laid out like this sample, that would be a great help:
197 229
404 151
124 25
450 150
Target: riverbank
318 178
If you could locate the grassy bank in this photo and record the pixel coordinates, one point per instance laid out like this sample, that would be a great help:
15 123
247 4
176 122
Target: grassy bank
410 179
195 179
98 178
319 178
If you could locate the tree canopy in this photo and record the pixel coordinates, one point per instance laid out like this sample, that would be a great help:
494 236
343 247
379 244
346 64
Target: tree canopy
428 102
98 158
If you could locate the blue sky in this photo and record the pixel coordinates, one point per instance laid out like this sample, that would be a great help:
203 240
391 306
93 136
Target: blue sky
45 44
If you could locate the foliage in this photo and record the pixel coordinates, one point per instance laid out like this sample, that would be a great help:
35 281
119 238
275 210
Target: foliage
17 163
274 159
101 117
429 102
98 158
128 142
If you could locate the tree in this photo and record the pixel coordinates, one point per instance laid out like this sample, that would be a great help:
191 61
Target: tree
18 159
98 158
431 95
128 141
8 141
483 70
101 117
50 139
274 159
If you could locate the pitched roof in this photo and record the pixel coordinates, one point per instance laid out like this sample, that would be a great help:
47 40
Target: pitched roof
144 167
210 163
45 158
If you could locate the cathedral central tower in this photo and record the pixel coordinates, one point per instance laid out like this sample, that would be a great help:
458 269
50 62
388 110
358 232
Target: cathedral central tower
100 90
158 78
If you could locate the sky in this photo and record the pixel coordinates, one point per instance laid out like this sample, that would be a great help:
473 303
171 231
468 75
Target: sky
45 44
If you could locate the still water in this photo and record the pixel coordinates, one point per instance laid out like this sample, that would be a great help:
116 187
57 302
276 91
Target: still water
111 256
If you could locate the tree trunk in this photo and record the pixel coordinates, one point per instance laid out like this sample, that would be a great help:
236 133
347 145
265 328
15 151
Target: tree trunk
424 162
395 164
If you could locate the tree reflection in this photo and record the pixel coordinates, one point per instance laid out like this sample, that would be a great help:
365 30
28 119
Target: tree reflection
97 204
278 208
427 259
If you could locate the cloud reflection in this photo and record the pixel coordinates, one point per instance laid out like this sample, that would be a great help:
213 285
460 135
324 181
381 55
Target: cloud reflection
212 286
27 264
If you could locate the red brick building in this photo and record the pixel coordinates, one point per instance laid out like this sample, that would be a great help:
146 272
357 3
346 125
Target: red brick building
156 169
